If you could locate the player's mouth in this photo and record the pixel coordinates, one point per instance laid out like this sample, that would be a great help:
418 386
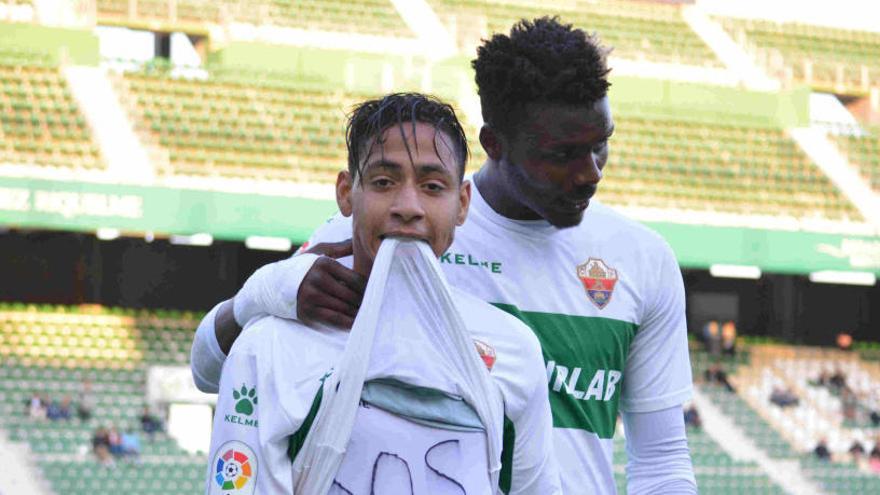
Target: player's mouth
573 205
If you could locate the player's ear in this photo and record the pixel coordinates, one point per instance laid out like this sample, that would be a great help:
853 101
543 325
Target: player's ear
491 142
464 202
344 185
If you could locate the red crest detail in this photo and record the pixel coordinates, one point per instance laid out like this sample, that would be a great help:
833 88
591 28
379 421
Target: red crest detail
486 352
599 280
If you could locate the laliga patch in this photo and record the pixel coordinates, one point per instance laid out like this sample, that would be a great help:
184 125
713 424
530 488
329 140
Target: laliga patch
235 470
599 280
487 353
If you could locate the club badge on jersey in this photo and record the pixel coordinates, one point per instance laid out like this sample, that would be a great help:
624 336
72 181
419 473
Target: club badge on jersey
599 280
487 353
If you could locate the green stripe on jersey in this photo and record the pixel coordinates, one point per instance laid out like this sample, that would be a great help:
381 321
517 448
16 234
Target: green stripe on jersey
508 440
585 358
298 439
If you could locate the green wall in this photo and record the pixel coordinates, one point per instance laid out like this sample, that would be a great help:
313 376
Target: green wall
453 78
81 206
76 45
709 104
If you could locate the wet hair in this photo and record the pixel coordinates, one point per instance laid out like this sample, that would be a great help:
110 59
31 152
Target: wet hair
370 119
541 61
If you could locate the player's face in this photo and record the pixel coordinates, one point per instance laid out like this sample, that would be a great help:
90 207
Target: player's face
554 163
415 194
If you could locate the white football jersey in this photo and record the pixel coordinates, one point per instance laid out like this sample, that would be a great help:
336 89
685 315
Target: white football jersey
271 388
606 301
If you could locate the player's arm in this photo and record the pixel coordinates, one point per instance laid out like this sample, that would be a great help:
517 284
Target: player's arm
657 381
248 443
657 453
534 467
305 287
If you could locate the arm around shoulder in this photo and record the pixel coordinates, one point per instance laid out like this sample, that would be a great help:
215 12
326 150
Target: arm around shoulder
206 357
272 289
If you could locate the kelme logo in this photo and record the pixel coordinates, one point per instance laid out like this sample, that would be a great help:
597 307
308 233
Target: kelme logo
246 400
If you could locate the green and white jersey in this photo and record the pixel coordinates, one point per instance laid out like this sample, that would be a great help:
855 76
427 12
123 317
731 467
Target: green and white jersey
606 301
271 387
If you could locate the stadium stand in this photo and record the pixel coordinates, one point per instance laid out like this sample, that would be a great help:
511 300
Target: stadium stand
715 470
677 164
840 478
40 123
376 17
791 433
636 30
826 58
277 130
272 127
836 391
52 350
863 152
286 130
233 129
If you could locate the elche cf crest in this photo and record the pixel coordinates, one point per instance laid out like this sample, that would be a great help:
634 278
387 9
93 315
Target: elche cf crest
487 353
598 279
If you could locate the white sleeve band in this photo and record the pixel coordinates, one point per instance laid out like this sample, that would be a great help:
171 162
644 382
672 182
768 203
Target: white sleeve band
272 289
657 451
206 358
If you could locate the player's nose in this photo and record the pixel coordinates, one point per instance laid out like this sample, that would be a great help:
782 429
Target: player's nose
587 172
407 204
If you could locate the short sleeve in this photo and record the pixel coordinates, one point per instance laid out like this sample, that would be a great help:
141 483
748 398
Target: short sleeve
249 438
658 371
206 357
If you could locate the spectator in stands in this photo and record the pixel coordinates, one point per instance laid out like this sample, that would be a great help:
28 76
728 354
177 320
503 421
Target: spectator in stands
823 380
876 450
875 418
728 338
857 453
692 417
53 410
874 457
101 446
715 374
837 380
821 451
59 410
114 439
783 397
36 407
849 403
150 423
131 444
86 403
712 337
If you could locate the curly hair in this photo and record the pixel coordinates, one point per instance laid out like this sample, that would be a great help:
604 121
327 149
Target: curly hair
542 60
369 119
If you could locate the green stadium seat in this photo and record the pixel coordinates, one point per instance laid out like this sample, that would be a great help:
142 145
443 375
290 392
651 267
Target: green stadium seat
372 17
636 30
840 60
